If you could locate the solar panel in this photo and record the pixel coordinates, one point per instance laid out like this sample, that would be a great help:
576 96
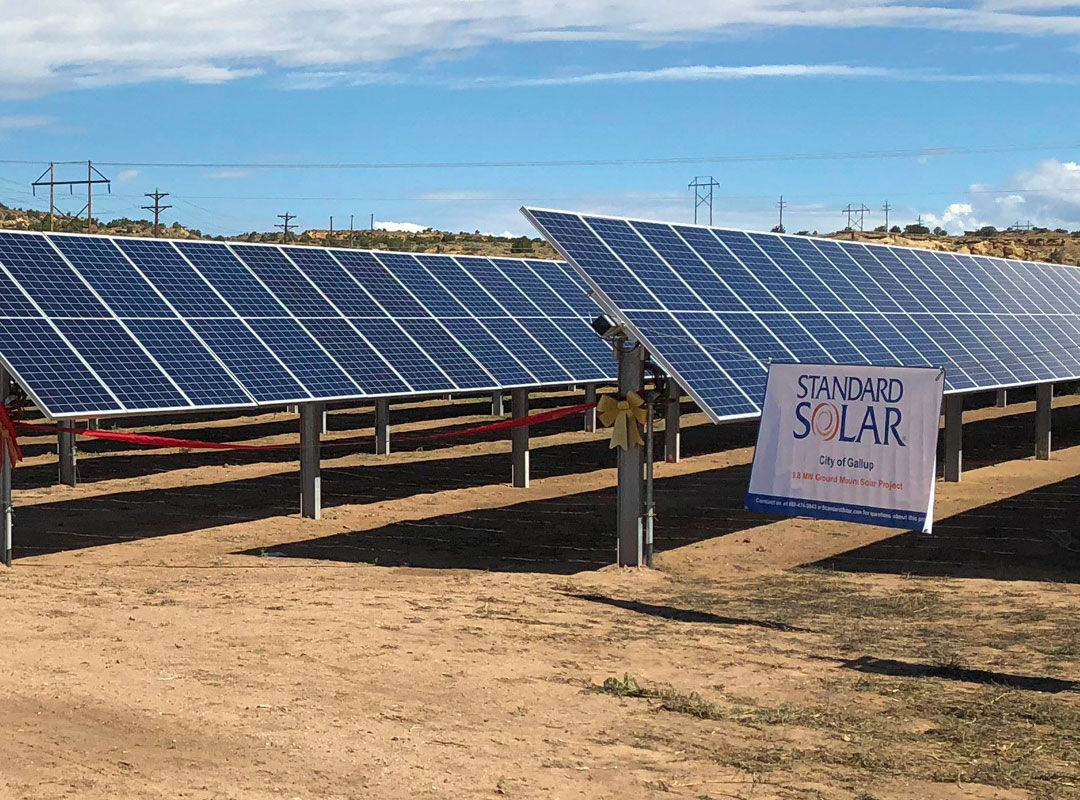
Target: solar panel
96 325
714 306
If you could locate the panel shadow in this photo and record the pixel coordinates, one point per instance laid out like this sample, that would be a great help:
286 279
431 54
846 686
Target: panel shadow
1033 536
562 535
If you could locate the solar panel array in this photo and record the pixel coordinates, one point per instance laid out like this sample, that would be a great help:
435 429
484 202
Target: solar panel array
714 306
93 325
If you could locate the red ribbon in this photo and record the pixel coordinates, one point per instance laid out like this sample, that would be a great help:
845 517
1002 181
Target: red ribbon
148 440
10 435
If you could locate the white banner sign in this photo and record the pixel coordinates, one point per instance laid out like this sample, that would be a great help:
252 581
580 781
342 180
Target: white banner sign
850 443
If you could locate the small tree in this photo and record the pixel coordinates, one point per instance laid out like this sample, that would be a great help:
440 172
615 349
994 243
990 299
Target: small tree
880 229
778 229
917 230
987 230
895 229
939 231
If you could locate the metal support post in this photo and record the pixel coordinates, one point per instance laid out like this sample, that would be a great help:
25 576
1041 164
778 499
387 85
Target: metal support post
382 426
65 451
1002 398
310 480
650 505
631 462
92 424
954 436
590 415
1044 402
5 479
671 423
519 439
323 425
497 409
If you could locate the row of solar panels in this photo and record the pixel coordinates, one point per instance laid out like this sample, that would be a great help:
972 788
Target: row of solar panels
95 325
715 306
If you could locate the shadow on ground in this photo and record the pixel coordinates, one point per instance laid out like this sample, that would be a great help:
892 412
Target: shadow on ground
904 669
562 535
1032 536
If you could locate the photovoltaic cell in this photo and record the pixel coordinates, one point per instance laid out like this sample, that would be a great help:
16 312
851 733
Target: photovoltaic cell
356 356
462 286
115 356
49 281
423 287
285 281
44 362
174 277
201 376
331 277
226 273
463 369
380 284
305 359
403 353
247 358
111 275
475 338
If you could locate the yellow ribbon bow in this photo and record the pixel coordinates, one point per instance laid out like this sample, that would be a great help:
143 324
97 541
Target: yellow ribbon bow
624 417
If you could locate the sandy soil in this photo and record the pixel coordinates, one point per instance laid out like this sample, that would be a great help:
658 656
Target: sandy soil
174 630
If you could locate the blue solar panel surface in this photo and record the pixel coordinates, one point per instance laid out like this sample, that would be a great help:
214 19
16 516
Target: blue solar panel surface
715 306
93 325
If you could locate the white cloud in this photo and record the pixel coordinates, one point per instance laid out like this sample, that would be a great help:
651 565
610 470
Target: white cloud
227 174
54 44
126 176
404 227
680 74
1047 194
19 122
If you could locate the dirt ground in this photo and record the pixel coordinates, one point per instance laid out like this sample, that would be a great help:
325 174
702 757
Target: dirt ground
174 630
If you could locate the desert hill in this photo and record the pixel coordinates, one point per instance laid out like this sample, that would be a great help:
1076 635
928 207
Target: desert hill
1038 244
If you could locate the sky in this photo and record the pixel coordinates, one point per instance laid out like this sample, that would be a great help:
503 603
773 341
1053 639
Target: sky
453 114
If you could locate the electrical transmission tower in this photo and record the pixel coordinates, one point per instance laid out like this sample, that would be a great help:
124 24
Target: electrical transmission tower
703 194
157 208
781 205
89 182
855 213
886 208
286 225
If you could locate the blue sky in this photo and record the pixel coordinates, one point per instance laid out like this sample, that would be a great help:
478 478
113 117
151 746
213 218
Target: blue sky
381 81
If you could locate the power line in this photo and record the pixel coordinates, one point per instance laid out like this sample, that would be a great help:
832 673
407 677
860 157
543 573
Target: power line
157 208
703 194
89 182
855 213
286 226
375 165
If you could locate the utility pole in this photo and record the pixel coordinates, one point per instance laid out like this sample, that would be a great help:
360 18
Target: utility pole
157 208
372 222
89 183
853 213
286 226
886 208
780 205
703 194
352 232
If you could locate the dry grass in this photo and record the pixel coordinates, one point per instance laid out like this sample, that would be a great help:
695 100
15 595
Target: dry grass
918 692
